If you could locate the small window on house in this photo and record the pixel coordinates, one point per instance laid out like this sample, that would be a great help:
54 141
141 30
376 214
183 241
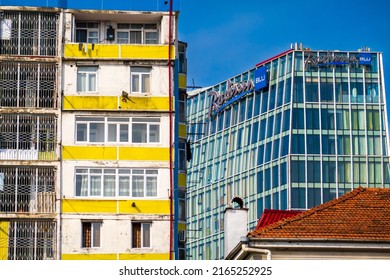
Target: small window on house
86 78
140 79
141 235
146 130
91 234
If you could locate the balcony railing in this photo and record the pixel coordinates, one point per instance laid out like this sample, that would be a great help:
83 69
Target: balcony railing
27 190
28 84
117 51
28 137
28 239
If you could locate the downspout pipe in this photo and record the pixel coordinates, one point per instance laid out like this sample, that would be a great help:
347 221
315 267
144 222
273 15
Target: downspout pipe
171 193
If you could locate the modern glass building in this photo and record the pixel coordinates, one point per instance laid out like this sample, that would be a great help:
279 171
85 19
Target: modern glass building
297 130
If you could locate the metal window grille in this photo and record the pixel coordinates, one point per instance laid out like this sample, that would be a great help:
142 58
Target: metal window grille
29 84
27 189
29 240
28 137
29 33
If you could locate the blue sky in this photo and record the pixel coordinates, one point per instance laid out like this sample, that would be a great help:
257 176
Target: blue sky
228 37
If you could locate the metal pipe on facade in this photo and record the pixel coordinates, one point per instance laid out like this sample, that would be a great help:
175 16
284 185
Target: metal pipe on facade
171 196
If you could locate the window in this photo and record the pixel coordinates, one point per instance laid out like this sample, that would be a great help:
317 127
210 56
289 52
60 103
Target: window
140 79
141 235
117 130
86 78
110 182
87 32
91 235
145 130
137 33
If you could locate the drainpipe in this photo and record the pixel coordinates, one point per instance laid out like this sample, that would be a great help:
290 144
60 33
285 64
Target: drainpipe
171 195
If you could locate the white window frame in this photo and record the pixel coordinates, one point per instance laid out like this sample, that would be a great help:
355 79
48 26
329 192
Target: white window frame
148 133
84 127
87 77
84 177
140 79
91 28
142 227
140 29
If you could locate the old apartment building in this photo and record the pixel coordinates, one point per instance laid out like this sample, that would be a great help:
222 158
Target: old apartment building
92 132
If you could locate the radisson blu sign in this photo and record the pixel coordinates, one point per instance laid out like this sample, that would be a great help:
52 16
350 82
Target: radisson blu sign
235 91
329 59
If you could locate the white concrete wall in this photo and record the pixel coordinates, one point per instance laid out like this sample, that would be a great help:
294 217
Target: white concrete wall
115 235
113 78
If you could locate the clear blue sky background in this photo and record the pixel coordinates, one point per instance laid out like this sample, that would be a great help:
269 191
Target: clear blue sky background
228 37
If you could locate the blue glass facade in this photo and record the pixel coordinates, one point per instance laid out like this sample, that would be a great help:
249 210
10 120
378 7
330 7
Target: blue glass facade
315 131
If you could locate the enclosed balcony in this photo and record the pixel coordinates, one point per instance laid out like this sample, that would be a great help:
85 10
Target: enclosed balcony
27 190
28 137
28 85
28 239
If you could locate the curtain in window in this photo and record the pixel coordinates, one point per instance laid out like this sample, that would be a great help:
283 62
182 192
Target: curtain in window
81 185
151 186
109 185
137 186
96 182
124 186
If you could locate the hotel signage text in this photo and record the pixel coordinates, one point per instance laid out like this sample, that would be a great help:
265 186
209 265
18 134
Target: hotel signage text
232 94
337 59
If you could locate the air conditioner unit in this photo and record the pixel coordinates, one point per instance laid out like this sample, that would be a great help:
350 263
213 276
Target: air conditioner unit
182 236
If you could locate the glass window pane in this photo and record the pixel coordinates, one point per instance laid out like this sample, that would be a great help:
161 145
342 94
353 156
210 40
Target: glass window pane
145 83
139 133
135 83
81 82
154 134
145 235
109 185
124 133
137 186
81 132
151 186
112 132
135 37
96 183
92 82
124 186
96 132
96 234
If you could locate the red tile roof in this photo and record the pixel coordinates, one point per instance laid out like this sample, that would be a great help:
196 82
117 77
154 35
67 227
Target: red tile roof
271 216
362 214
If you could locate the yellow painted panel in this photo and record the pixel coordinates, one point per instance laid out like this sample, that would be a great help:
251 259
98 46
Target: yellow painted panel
90 102
183 81
182 131
88 206
182 178
144 256
144 207
89 256
4 226
156 103
115 51
137 103
146 52
89 153
144 153
113 206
